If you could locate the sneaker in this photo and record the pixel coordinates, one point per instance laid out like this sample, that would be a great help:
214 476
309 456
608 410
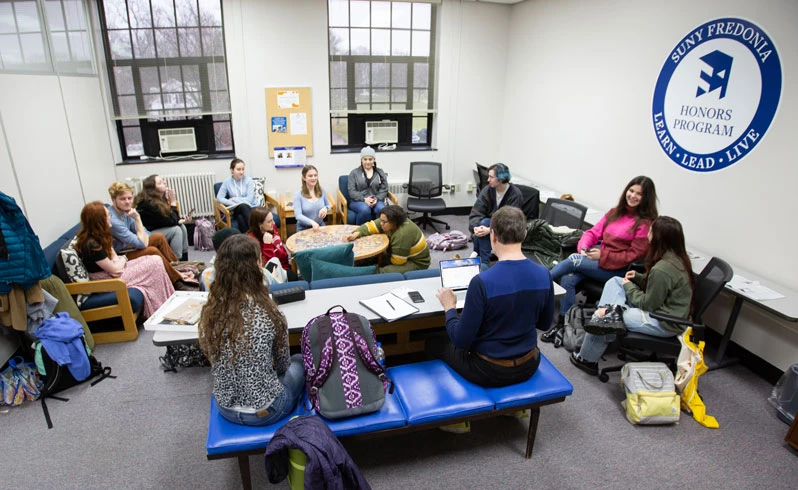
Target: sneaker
461 428
611 322
590 368
549 335
473 255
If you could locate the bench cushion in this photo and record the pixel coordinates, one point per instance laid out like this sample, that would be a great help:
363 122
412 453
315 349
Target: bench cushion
390 416
431 391
546 384
226 437
423 274
340 282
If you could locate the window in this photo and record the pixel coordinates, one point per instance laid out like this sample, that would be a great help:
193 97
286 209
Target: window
167 69
45 36
382 67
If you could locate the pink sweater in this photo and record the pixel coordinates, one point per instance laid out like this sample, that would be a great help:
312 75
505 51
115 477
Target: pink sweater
620 245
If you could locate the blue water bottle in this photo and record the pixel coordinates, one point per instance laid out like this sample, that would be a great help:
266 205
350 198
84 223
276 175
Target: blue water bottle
380 354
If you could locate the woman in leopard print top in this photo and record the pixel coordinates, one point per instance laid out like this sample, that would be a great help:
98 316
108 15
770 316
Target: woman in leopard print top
244 335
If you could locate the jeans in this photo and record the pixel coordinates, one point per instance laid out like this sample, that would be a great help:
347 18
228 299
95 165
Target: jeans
364 212
572 271
635 319
177 236
293 381
482 245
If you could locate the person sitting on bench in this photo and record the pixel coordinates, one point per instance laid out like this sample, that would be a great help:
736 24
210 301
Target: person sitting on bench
494 343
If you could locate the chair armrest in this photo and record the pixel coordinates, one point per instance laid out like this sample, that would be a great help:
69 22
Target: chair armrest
220 211
393 198
99 286
698 329
331 198
341 207
272 201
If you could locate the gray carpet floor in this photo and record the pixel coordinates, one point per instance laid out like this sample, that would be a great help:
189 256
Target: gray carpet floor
147 429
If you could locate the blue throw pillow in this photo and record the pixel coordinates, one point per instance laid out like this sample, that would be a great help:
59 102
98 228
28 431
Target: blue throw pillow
337 254
329 270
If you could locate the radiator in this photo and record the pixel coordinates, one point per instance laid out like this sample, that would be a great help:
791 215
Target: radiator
397 188
194 191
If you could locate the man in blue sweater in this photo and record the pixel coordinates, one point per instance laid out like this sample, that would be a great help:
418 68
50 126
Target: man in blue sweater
493 342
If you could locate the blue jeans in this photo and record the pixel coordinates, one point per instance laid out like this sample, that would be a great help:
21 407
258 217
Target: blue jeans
635 319
365 212
482 245
571 271
293 381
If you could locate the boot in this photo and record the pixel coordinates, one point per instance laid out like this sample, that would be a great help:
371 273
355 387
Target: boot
549 335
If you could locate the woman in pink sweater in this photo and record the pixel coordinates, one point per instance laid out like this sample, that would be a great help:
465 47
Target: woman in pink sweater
618 239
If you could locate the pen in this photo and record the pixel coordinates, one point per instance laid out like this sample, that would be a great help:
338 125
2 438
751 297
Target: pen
389 304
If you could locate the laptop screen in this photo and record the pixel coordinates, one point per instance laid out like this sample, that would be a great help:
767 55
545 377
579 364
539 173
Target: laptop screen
457 274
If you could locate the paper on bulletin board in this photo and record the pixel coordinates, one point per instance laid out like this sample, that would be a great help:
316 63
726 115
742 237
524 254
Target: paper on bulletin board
290 156
288 99
279 124
299 123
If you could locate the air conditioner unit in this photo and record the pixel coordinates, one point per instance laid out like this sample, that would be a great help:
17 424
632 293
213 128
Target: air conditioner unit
177 140
382 132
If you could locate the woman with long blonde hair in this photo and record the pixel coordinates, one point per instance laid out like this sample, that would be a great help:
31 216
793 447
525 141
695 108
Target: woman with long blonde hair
244 335
310 203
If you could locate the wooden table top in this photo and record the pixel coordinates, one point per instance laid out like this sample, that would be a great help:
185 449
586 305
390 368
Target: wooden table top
364 248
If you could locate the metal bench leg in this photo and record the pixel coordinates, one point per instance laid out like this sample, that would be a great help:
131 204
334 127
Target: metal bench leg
534 416
243 468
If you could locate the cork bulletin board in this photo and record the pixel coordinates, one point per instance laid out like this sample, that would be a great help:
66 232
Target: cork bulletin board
288 113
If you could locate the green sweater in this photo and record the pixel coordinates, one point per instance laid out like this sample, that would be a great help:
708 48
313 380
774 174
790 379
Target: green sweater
407 247
667 290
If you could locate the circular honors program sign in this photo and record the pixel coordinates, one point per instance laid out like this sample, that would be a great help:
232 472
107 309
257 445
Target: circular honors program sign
717 94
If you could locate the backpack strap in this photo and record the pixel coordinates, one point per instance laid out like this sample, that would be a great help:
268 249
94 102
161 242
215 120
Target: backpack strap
315 377
364 352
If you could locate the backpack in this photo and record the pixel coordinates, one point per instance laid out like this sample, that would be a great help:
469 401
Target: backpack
58 378
342 374
651 396
573 332
203 234
453 240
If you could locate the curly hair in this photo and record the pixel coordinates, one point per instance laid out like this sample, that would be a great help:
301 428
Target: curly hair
118 188
94 229
150 194
238 278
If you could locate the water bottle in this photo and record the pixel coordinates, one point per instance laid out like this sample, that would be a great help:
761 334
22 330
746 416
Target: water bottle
380 354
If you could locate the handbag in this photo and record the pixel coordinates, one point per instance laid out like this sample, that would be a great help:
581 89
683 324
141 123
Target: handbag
651 396
19 382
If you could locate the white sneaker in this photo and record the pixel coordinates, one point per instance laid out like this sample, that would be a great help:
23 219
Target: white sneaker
473 255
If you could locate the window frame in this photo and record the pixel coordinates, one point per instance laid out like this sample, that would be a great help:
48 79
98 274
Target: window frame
204 121
355 116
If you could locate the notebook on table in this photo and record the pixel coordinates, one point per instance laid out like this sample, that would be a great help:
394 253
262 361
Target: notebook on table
457 274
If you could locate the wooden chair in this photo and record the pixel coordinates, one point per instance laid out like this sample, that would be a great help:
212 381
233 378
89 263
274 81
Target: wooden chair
222 217
341 209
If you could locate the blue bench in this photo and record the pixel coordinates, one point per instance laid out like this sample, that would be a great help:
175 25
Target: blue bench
427 395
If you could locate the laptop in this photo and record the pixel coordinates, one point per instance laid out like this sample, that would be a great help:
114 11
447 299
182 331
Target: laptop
457 274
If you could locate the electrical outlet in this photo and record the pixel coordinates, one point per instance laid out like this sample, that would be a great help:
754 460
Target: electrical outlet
452 188
459 188
470 187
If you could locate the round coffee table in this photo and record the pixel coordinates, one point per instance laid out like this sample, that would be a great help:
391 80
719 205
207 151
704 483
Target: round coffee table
365 247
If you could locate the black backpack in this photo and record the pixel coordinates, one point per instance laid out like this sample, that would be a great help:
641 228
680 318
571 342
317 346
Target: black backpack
58 378
573 331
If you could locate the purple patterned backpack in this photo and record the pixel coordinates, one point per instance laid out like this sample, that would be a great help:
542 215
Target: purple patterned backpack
342 374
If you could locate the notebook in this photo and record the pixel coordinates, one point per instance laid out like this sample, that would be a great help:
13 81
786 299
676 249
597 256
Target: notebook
457 274
389 306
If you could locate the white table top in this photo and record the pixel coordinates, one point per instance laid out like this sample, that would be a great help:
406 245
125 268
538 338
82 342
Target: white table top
318 301
593 215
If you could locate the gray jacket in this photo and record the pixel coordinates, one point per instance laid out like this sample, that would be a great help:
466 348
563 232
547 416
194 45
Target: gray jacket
359 191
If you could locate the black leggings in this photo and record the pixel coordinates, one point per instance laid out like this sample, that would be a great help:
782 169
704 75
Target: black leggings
241 217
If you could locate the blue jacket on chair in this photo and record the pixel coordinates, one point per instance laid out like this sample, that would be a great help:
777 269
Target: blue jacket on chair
22 259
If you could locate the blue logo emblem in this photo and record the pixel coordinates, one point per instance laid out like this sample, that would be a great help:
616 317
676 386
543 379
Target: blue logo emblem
717 94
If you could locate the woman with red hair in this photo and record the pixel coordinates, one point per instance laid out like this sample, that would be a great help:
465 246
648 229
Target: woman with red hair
145 273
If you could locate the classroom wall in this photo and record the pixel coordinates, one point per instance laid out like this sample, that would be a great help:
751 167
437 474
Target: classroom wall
578 101
265 49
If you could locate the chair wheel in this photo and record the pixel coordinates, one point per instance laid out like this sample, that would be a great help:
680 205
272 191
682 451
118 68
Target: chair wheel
448 227
604 377
622 356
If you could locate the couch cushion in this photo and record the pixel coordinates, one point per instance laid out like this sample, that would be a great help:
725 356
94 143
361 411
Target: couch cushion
390 416
546 384
225 437
356 280
290 284
75 271
423 274
431 391
337 254
98 300
52 252
328 270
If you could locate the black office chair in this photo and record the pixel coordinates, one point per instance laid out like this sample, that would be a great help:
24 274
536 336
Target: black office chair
562 212
531 201
640 346
424 188
481 176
